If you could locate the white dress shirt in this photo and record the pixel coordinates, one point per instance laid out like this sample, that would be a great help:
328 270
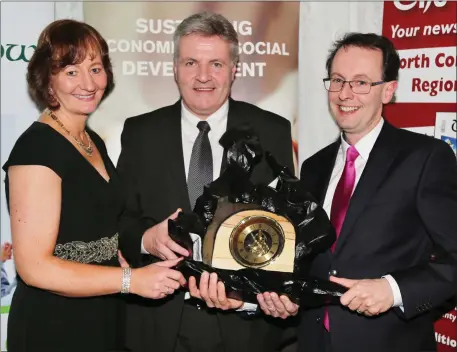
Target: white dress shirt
189 133
364 147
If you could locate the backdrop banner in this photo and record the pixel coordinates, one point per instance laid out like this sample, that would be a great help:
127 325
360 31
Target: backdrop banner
140 38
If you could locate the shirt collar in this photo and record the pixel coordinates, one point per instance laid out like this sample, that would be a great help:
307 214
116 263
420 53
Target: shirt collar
366 143
218 116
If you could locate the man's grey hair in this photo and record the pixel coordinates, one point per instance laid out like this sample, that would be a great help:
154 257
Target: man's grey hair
208 24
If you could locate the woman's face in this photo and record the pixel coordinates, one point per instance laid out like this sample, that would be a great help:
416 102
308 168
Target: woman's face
79 88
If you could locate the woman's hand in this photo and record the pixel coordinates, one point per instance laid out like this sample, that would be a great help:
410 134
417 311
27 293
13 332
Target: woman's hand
157 280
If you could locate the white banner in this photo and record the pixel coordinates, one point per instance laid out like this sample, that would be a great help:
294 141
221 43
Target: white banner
428 75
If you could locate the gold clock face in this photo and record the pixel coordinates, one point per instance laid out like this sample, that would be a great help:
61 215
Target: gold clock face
256 241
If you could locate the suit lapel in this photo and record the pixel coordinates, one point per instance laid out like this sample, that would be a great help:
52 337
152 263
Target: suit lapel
322 180
326 169
379 162
235 115
176 175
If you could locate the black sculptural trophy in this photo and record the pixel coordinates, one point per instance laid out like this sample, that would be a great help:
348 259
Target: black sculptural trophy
255 237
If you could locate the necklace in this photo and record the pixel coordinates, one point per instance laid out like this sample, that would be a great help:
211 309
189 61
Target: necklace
86 148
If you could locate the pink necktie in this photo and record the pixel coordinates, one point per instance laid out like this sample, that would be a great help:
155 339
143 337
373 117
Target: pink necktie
341 200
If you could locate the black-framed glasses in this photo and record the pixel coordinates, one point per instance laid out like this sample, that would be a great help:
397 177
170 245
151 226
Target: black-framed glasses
357 86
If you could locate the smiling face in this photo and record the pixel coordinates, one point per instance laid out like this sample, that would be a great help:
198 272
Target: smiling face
204 73
79 88
358 114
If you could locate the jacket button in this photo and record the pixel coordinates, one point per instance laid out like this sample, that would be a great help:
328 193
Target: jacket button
318 319
333 272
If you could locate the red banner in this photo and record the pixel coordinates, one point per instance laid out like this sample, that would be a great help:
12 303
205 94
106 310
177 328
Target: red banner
420 24
424 33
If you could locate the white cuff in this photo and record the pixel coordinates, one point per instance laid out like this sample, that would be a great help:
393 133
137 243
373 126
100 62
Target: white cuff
398 301
196 247
247 307
143 250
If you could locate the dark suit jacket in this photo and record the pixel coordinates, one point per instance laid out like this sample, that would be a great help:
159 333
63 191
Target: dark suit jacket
403 208
151 165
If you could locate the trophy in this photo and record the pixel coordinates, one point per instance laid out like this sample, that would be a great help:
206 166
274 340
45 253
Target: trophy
257 238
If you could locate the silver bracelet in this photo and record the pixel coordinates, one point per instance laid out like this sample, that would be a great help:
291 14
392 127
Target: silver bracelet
126 277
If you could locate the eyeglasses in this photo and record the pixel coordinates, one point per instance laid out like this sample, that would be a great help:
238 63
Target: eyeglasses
357 86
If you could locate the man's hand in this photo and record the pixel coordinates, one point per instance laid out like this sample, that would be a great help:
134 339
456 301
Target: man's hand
272 304
158 242
7 251
369 297
212 292
122 262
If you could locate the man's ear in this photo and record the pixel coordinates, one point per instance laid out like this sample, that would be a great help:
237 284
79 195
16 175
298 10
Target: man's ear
389 91
175 70
234 68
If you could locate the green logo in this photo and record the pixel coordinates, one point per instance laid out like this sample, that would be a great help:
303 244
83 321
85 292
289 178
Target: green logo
17 52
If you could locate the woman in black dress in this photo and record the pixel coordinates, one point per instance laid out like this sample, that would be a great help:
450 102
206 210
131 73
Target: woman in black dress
65 199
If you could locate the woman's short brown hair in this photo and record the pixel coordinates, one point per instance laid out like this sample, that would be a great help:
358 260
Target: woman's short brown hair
62 43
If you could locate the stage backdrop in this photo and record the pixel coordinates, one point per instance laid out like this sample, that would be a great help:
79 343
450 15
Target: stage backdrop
424 32
141 46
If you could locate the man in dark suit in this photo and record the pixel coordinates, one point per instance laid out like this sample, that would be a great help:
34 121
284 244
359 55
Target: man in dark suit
161 151
391 195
